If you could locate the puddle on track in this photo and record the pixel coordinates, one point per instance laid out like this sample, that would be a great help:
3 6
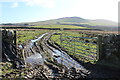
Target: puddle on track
66 60
35 59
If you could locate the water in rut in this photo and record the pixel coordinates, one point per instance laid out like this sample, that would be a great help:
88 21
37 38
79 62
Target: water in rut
60 56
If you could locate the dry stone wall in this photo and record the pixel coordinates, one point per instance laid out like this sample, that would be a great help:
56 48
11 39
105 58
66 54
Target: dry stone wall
110 49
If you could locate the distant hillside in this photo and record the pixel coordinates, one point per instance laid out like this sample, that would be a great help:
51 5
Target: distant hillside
77 21
104 22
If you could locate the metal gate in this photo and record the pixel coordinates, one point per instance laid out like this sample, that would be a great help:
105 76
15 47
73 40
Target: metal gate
81 46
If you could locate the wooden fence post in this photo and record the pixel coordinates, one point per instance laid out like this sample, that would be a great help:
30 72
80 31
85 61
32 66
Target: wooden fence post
15 38
99 47
14 42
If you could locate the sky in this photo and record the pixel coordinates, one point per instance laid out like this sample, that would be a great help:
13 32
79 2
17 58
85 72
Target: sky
16 11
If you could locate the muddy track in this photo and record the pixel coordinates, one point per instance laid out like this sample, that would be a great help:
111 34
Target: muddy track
50 60
49 50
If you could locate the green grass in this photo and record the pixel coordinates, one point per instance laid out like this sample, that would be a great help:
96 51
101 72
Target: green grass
60 26
73 49
25 36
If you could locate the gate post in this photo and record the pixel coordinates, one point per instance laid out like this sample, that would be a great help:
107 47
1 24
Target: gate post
74 50
14 42
99 47
61 45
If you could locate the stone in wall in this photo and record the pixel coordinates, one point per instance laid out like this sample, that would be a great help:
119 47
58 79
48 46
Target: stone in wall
8 36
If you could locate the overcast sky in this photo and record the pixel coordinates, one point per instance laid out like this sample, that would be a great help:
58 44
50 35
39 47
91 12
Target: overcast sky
39 10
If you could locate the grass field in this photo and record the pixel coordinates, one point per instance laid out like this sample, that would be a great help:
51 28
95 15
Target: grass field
23 36
60 26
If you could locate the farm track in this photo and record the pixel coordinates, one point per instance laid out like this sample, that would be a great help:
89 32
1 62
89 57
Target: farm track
50 49
51 69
